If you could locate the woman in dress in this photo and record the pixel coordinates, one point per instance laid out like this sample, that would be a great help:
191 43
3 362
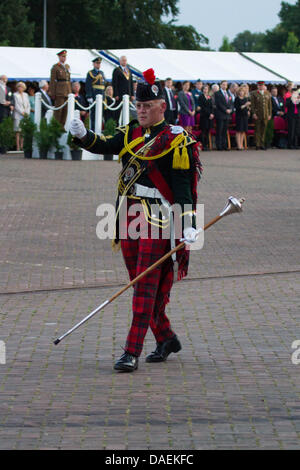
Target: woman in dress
21 108
207 116
187 107
242 105
109 100
31 91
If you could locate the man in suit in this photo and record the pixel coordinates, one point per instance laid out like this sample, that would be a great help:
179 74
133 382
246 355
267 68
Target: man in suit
6 97
79 100
171 109
122 82
94 85
60 86
223 111
277 110
44 87
197 92
261 106
277 103
232 91
293 116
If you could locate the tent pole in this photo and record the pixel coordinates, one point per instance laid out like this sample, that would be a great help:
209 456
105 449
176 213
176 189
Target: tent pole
45 25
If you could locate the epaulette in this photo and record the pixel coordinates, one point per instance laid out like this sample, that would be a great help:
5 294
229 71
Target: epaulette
189 139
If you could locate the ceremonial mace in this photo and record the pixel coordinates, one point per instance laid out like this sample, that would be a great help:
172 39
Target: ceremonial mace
233 206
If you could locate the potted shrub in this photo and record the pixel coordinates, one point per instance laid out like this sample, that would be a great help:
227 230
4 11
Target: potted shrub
76 152
28 128
109 131
7 135
43 138
56 130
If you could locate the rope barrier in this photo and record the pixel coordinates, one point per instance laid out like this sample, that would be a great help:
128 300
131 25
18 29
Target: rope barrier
53 107
113 109
85 108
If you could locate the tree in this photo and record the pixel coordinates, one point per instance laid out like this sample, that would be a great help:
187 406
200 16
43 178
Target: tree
249 42
290 17
226 45
292 44
112 24
15 29
183 37
275 38
285 37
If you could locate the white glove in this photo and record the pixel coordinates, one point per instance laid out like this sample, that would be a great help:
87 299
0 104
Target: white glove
190 235
90 100
77 128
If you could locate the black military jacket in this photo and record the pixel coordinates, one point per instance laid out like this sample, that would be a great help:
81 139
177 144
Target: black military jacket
179 181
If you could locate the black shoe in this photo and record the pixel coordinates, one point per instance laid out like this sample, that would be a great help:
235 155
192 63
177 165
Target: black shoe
263 148
163 350
127 363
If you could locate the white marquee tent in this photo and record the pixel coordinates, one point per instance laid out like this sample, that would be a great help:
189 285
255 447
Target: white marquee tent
285 65
190 65
28 63
31 63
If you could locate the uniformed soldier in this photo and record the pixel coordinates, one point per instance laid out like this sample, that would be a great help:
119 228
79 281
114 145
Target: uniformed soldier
261 107
60 86
160 165
94 85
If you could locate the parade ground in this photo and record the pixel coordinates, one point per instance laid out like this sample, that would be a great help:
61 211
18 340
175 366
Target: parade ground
236 382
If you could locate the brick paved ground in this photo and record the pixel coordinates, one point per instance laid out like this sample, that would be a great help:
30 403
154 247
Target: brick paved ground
232 386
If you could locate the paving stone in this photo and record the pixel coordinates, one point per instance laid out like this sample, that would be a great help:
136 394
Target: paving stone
232 386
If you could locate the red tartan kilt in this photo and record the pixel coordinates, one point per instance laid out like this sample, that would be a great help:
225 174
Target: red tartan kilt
150 245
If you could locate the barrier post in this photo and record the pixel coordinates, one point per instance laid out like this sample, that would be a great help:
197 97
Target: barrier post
64 137
126 114
98 114
51 151
37 121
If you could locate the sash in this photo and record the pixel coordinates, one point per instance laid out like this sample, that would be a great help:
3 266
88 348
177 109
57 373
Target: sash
154 174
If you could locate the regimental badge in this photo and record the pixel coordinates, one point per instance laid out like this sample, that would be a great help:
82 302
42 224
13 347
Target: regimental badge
128 174
154 89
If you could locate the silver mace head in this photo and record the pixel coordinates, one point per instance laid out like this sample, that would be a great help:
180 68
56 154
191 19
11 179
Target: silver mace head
233 205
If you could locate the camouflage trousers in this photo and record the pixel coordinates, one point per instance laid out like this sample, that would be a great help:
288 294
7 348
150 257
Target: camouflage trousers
260 132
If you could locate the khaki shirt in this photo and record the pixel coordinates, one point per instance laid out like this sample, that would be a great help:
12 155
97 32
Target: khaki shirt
261 104
60 84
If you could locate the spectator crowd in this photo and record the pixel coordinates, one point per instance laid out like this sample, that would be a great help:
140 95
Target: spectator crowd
222 116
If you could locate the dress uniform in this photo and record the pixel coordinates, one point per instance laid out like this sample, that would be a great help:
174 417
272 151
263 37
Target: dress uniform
261 106
94 85
60 87
160 167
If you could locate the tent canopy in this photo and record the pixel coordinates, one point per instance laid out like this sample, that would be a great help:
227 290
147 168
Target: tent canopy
29 63
286 65
209 66
33 63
